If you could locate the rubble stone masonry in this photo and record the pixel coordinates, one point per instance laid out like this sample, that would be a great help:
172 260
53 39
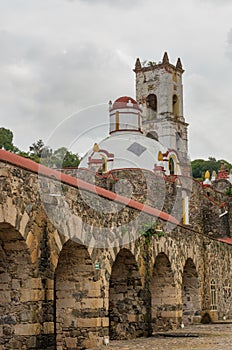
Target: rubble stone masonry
57 291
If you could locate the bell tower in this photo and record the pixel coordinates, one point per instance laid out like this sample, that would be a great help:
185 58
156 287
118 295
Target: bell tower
159 92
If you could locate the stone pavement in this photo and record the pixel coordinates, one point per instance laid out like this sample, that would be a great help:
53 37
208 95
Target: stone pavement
207 337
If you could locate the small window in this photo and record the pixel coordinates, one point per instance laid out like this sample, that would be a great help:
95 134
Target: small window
175 105
171 166
152 102
213 295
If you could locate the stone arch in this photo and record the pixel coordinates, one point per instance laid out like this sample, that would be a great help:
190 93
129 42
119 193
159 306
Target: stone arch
164 303
168 247
127 304
21 293
151 103
78 299
14 216
191 301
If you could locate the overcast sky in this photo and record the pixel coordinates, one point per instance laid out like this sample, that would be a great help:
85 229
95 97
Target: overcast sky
62 58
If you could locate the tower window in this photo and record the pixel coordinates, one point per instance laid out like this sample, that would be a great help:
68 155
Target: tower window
175 105
171 166
152 102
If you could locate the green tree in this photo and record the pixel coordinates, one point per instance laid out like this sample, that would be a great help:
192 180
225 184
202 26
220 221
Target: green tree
71 159
200 166
65 158
6 139
37 148
38 151
59 158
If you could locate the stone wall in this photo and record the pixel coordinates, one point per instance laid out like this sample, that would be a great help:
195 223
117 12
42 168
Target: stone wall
207 203
64 292
127 299
80 313
164 299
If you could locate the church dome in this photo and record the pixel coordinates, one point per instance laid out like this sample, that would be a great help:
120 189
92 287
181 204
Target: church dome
125 102
127 147
125 115
128 150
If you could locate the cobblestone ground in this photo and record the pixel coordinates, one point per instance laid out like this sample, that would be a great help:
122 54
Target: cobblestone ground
207 337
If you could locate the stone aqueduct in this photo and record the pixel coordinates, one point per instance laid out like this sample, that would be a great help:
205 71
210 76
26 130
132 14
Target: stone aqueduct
58 293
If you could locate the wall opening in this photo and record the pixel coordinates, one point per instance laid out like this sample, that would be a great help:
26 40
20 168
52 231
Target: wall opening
171 166
78 300
20 296
163 295
190 294
151 102
175 106
127 309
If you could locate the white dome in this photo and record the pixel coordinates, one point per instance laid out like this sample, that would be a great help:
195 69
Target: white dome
125 150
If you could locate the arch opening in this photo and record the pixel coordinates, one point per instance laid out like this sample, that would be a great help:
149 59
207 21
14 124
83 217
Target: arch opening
175 106
127 308
190 294
79 304
171 166
164 301
151 103
20 292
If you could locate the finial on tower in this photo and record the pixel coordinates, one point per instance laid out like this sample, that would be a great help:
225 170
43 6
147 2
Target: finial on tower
138 64
179 64
165 58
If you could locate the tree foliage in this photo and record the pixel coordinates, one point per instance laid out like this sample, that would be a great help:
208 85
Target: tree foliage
6 139
39 152
200 166
62 157
59 158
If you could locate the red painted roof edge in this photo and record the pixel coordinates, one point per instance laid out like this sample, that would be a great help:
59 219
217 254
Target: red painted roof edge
225 240
40 169
126 99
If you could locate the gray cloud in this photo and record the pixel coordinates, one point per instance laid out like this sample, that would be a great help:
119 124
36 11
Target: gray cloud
46 84
214 2
126 4
58 57
229 45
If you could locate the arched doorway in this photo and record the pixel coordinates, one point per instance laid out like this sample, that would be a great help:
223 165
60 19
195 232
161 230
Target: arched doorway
19 292
190 294
127 309
164 304
78 299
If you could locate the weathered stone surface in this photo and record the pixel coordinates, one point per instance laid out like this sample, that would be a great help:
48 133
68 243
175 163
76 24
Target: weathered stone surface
154 282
